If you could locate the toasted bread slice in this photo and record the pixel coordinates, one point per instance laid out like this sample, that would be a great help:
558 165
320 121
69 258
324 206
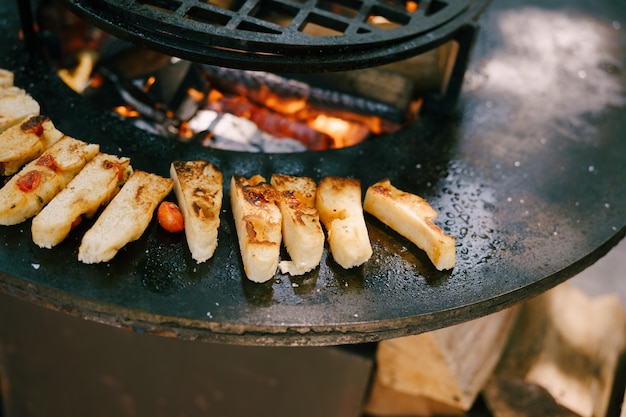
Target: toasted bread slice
198 188
28 191
302 232
7 78
94 186
126 217
15 106
21 143
338 201
258 223
412 217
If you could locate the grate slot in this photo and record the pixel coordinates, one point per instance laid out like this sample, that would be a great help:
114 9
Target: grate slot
167 6
320 25
208 16
275 12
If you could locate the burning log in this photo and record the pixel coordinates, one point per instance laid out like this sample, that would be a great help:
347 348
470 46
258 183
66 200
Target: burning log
354 96
226 131
271 122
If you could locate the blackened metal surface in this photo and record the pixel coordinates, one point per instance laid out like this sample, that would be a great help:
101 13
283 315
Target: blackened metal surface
529 176
284 35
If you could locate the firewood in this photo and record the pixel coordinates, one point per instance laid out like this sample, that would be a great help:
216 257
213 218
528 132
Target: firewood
569 345
439 372
384 400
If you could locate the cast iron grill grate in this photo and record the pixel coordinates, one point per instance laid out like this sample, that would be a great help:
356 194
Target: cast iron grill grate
284 35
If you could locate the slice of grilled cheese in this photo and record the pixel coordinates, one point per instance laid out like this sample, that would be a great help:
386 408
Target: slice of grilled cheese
303 236
338 201
28 191
125 218
94 186
23 142
412 217
198 188
15 106
7 78
258 224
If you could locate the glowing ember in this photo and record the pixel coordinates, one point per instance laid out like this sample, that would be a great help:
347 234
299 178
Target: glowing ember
149 83
126 111
195 94
343 133
185 132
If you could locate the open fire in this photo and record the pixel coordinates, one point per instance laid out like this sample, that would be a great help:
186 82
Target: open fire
229 108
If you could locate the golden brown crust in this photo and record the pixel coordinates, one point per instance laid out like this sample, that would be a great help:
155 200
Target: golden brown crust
15 106
126 217
302 232
411 216
338 201
258 224
198 189
25 194
94 186
24 142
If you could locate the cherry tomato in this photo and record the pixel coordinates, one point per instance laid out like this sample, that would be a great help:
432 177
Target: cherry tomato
170 218
47 161
29 181
120 169
77 221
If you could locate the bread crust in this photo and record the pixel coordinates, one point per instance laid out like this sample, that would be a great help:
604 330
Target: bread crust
258 224
15 106
23 142
338 201
28 191
198 186
303 236
94 186
6 78
412 217
125 218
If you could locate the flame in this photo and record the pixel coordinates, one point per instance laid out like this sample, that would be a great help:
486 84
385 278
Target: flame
96 81
78 78
284 105
149 83
184 131
196 95
126 111
295 118
342 132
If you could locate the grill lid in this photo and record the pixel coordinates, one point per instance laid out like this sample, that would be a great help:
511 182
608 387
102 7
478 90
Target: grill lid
284 35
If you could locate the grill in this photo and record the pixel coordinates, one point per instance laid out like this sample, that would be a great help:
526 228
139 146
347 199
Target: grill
275 35
529 184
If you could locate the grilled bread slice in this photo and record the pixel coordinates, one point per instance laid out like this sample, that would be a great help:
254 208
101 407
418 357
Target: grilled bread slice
338 201
258 223
28 191
412 217
125 218
302 232
198 189
21 143
15 106
94 186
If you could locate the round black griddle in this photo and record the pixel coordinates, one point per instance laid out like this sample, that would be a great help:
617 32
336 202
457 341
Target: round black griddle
529 175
